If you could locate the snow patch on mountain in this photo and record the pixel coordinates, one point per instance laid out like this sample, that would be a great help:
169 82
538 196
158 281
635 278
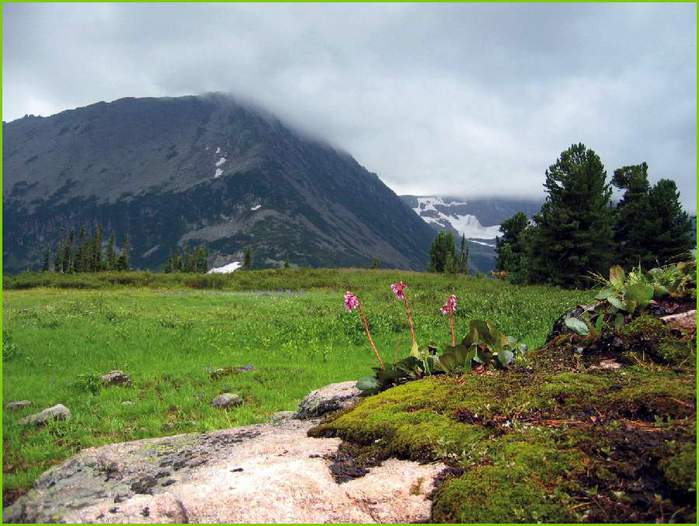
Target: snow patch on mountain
226 269
437 211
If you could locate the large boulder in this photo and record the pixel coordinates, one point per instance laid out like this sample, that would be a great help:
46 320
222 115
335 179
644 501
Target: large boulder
260 473
330 398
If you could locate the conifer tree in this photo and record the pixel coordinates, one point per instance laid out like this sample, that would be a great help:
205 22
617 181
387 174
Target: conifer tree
462 260
573 235
123 259
111 252
58 258
46 266
247 258
667 228
97 263
442 253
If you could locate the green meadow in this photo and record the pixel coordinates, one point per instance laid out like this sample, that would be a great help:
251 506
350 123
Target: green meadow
168 332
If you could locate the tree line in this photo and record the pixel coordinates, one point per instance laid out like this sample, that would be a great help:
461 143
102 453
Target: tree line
86 252
188 260
579 231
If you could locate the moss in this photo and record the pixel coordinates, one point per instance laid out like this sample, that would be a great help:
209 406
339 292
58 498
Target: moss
539 445
526 481
648 337
680 467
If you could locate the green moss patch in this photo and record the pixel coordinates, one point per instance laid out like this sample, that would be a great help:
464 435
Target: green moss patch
534 444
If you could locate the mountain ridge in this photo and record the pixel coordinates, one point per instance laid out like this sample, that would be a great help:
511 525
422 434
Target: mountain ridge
199 169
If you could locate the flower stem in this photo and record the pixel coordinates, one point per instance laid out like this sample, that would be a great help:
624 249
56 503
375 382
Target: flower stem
409 312
451 329
362 315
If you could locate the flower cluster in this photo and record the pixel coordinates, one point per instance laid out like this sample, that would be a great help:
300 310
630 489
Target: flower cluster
450 306
351 301
398 290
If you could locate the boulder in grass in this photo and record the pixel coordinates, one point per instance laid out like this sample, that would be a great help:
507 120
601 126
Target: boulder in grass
327 399
226 400
18 404
57 412
115 377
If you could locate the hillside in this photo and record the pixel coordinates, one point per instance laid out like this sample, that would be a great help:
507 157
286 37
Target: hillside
170 171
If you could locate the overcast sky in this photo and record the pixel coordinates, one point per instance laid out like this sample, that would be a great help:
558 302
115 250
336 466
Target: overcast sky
455 99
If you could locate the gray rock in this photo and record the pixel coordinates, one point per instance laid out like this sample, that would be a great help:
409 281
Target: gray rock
18 404
281 416
115 377
255 474
226 400
57 412
327 399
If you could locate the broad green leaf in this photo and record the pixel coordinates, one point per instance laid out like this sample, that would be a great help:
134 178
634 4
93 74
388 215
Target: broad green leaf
616 277
619 321
616 302
415 350
659 291
639 293
604 294
577 326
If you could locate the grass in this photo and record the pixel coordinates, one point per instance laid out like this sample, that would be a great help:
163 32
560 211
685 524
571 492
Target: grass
167 331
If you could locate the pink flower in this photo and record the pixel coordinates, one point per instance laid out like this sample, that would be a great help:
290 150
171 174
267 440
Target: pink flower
450 306
398 289
351 301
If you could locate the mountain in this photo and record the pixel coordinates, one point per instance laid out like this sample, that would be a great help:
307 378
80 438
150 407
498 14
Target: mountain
198 169
478 219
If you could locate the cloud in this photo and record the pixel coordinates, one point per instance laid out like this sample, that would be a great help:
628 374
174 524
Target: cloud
465 99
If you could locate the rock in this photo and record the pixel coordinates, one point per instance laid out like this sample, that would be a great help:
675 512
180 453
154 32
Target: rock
329 398
18 404
281 416
115 377
57 412
254 474
220 372
685 321
226 400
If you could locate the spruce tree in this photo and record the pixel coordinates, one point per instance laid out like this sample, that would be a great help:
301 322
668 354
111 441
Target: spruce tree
510 246
111 252
631 214
573 236
58 258
667 228
443 253
247 258
462 260
97 262
122 262
46 266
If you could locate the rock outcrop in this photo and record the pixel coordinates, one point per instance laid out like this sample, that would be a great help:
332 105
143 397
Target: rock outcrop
327 399
262 473
56 412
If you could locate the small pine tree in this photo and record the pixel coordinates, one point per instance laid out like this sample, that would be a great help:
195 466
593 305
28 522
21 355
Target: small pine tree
247 258
202 256
442 253
462 260
46 266
58 258
286 263
111 252
667 228
97 263
123 263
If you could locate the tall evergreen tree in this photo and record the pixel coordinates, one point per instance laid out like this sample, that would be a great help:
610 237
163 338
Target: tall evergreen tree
46 265
123 259
573 236
462 260
510 247
631 214
667 228
111 252
443 253
69 254
58 258
247 258
97 263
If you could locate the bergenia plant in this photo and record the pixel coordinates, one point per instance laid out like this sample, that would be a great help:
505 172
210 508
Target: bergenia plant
401 295
449 308
352 303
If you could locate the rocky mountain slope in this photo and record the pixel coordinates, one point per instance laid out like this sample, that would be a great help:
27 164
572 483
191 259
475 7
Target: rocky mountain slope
478 219
171 171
